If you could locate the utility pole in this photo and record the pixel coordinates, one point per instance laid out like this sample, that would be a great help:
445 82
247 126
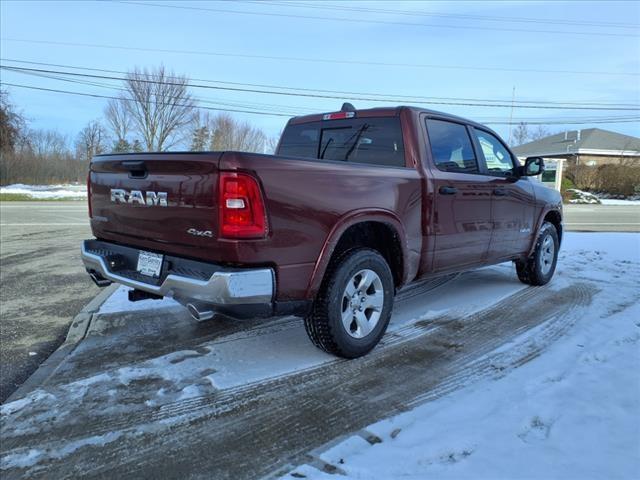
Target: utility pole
513 98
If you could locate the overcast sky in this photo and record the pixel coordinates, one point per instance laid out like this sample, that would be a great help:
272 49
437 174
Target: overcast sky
563 52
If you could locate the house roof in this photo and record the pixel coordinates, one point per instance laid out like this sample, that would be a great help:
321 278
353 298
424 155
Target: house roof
590 140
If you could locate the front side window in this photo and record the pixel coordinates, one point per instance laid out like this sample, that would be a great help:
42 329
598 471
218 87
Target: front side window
375 141
497 157
451 147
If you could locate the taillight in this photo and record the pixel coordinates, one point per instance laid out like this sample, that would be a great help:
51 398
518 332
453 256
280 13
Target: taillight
241 207
89 193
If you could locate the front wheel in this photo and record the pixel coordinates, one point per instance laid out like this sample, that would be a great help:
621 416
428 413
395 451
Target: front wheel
352 309
540 267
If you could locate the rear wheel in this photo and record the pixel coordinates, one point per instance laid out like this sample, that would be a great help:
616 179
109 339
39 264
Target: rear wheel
540 267
352 309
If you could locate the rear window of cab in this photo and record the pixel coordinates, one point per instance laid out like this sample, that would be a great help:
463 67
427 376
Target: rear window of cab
373 141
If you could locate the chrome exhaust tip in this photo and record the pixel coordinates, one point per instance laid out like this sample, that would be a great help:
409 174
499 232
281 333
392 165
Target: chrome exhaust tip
199 315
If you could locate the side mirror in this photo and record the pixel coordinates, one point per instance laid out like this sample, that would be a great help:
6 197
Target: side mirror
533 166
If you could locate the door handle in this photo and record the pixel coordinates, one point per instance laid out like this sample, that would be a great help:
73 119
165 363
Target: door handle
500 192
448 190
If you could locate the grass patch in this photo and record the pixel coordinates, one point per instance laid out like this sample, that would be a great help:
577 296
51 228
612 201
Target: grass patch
23 197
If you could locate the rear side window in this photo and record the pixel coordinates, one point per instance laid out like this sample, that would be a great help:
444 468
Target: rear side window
451 147
374 141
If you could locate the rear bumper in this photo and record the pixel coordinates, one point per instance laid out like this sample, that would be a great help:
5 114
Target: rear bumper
185 280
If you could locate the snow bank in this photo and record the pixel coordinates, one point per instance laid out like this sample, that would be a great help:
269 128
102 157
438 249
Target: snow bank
612 201
47 192
573 412
580 196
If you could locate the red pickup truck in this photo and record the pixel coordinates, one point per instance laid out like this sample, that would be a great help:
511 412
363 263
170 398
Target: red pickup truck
353 206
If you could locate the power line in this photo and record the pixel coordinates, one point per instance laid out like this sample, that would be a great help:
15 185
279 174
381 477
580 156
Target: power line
415 98
310 95
280 107
318 60
545 21
585 121
378 22
95 95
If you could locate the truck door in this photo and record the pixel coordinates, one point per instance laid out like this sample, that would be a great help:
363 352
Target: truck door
513 199
462 197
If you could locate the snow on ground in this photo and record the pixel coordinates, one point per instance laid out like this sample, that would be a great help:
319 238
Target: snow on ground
581 196
284 349
612 201
48 192
573 413
119 302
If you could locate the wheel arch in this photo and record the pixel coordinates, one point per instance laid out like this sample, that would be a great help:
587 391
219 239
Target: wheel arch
380 230
553 216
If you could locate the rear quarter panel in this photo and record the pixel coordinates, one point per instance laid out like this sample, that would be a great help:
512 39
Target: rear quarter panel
310 203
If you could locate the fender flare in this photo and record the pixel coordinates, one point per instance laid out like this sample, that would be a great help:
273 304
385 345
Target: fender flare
340 227
541 217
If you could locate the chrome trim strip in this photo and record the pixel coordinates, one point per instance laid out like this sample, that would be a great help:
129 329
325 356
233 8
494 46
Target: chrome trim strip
223 288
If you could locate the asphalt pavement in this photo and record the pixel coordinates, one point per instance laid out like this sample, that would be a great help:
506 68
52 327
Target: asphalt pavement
43 284
602 218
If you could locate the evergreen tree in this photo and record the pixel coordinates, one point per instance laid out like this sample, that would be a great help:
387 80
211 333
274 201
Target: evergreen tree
121 146
200 139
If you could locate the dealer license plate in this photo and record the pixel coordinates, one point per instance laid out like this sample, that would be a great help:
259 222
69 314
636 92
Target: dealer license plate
149 264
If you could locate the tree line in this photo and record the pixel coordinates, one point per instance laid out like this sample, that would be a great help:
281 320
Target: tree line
155 111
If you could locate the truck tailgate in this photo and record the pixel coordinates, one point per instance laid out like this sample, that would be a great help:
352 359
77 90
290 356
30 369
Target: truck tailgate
168 198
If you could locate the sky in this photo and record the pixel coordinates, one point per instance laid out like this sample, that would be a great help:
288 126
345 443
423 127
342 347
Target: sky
562 53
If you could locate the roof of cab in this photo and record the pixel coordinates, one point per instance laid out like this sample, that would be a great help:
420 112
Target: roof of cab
383 112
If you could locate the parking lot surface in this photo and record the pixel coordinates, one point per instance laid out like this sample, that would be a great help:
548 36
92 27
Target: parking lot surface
42 283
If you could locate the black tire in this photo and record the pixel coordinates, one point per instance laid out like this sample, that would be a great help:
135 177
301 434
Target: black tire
324 324
540 267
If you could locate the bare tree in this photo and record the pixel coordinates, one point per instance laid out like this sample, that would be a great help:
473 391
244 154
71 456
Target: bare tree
230 134
159 105
12 125
92 140
540 132
119 122
520 135
47 143
43 157
223 132
272 144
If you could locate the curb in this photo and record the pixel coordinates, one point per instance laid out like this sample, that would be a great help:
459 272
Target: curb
77 331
